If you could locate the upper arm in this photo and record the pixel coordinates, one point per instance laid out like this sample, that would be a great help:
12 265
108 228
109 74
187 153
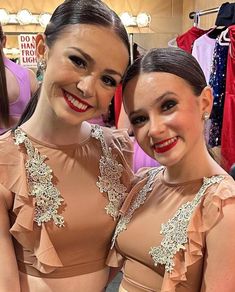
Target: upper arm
9 278
219 263
33 82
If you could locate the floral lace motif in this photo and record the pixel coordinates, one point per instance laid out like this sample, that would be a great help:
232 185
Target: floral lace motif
140 199
47 196
39 175
175 230
110 174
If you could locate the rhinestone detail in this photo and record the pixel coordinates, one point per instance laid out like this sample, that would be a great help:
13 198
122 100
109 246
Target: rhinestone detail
47 196
140 199
110 174
39 175
175 230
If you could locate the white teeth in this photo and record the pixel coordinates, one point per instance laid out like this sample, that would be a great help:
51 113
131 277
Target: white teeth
172 140
75 102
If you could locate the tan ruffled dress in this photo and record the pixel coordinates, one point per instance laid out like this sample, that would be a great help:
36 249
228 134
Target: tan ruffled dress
66 199
160 238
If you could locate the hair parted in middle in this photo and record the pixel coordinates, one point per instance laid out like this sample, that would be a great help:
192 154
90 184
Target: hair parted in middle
169 60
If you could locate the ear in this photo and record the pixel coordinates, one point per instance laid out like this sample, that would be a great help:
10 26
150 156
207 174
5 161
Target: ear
41 48
206 100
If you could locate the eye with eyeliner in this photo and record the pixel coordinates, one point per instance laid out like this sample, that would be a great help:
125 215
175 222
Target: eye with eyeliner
109 81
138 120
78 61
168 104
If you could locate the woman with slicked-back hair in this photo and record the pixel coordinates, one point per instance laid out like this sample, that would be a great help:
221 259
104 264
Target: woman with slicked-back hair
17 85
176 232
63 180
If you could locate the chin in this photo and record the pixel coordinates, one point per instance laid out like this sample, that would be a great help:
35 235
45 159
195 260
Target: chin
70 121
167 161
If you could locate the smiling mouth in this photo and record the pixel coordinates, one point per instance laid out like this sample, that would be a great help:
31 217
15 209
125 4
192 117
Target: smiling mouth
165 145
75 103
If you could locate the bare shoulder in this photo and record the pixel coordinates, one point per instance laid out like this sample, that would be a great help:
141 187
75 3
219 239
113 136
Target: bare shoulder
33 81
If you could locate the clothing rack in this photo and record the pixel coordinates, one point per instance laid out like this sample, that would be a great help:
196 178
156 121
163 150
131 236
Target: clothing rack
203 12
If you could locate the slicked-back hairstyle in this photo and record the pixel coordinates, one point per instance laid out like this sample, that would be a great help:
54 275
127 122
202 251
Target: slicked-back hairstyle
92 12
4 100
169 60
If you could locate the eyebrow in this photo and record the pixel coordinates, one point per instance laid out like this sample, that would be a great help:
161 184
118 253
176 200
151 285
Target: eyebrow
91 60
156 101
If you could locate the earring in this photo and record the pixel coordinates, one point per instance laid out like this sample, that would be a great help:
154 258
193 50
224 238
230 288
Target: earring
42 65
205 116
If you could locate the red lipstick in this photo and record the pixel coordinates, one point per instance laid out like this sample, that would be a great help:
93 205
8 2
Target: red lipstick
85 105
165 145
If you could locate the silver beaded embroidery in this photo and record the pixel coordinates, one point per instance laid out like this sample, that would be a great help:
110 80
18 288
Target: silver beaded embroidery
140 199
47 196
110 174
39 175
175 230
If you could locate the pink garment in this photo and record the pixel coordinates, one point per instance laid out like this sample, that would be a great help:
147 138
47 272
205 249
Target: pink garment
22 76
117 103
203 49
141 159
97 121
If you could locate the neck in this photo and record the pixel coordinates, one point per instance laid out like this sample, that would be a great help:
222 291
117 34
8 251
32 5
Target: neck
45 126
190 169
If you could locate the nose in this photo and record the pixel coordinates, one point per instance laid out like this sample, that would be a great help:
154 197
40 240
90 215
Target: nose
156 126
86 85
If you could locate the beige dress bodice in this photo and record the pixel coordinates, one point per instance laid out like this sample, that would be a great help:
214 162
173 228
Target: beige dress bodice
160 238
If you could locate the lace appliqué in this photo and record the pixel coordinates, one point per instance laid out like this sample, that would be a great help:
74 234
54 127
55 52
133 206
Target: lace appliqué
47 196
39 175
140 199
110 174
175 230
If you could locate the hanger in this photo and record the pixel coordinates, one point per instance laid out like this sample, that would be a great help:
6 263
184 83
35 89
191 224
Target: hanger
172 43
223 39
216 31
196 19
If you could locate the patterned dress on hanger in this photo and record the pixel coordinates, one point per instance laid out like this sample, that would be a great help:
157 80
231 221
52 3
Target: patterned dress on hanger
217 82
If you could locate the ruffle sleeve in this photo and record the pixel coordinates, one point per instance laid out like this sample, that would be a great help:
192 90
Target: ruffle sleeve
139 180
114 259
204 218
24 229
122 144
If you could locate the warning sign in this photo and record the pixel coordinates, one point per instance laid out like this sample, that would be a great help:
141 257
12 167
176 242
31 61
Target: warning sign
27 46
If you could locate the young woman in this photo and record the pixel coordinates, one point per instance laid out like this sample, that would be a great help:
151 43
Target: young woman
62 180
176 232
17 85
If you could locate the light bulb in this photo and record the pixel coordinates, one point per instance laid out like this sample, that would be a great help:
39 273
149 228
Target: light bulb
44 19
4 16
15 51
24 16
126 18
143 19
